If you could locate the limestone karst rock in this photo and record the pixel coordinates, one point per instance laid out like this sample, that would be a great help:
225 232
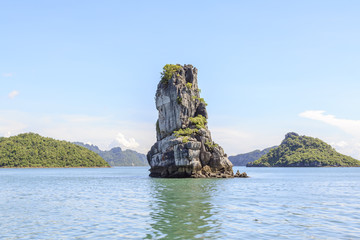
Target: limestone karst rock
184 147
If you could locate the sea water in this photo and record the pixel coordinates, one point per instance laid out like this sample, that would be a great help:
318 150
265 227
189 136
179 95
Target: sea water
124 203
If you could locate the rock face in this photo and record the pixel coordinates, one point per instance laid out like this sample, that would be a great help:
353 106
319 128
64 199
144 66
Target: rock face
184 147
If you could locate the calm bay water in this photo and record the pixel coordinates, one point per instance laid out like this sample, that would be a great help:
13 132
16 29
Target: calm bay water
121 203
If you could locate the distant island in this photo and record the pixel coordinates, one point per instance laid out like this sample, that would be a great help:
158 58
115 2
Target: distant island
116 157
244 158
30 150
303 151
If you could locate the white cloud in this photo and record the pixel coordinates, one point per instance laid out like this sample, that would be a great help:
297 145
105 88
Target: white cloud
340 144
7 74
349 126
140 136
99 130
129 143
13 94
236 140
350 145
10 126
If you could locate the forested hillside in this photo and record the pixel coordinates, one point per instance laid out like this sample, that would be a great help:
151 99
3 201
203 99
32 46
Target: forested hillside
303 151
33 150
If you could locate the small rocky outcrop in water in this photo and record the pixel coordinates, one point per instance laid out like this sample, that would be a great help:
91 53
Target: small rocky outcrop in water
184 146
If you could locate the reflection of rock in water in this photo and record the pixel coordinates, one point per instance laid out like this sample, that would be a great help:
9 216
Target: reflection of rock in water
182 209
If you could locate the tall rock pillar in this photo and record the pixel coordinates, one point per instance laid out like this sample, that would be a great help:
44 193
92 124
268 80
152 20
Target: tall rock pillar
184 146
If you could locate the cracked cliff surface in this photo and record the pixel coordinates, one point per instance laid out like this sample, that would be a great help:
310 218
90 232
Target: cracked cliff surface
184 146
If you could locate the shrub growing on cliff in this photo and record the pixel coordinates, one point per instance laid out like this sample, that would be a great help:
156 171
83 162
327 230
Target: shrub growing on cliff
189 85
199 121
211 145
179 100
185 139
199 99
168 71
185 132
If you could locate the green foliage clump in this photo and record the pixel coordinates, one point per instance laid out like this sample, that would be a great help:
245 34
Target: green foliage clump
199 121
168 71
33 150
179 100
185 139
198 90
185 132
211 145
303 151
199 99
189 85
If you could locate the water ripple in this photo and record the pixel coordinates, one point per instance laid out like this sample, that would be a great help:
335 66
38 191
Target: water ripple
123 203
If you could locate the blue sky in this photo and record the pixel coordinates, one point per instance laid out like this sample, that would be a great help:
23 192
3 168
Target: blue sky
88 70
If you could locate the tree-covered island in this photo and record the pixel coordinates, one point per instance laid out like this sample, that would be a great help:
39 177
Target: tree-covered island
30 150
303 151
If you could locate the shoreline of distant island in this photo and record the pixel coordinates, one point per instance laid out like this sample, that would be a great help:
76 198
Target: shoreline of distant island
295 151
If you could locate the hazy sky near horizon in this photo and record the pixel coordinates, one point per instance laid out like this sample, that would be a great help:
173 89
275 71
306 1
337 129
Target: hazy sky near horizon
88 70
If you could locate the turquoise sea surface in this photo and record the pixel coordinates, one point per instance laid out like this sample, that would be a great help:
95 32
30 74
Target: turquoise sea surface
124 203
